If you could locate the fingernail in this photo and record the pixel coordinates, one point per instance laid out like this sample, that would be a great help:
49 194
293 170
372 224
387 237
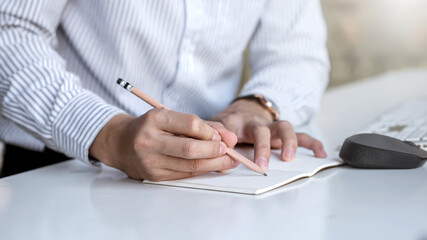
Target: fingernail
222 148
216 137
289 154
235 163
262 162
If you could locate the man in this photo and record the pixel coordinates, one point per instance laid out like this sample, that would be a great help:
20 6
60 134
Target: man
60 60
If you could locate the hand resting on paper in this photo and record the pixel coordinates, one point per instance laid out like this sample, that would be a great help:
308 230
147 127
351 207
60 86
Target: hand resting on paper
253 124
163 145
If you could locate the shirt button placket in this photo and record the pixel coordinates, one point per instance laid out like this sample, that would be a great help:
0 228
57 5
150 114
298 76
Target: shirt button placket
187 70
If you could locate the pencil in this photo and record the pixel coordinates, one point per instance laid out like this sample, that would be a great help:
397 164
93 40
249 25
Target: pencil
230 152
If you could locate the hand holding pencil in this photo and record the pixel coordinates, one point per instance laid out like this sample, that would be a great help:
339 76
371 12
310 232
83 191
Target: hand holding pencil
229 151
163 145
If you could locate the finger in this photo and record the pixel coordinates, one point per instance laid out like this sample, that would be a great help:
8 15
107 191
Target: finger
232 122
189 148
198 165
285 131
165 174
261 137
180 175
306 141
227 136
178 123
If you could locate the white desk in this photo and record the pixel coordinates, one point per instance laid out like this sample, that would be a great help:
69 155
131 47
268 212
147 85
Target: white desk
72 201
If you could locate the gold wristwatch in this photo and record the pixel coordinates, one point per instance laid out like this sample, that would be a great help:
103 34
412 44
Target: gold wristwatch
265 103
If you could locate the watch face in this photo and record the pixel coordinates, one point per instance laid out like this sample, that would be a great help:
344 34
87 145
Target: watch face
268 105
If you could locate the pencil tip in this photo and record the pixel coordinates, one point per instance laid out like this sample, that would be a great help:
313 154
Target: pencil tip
265 174
119 81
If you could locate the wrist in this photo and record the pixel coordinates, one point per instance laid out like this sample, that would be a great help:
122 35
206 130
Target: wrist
264 102
251 107
110 140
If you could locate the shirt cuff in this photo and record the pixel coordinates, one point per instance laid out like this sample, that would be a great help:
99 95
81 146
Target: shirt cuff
79 122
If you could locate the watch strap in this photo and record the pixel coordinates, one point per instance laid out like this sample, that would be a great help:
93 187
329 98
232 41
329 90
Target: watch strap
264 102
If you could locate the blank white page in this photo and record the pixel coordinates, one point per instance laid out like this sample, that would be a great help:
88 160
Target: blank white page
243 180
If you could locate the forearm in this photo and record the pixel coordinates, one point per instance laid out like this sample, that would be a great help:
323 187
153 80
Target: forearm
36 91
288 58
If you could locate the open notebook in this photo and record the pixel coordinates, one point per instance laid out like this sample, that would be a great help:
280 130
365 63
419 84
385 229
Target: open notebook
242 180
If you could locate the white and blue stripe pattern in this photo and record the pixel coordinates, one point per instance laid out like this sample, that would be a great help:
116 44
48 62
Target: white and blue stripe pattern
59 61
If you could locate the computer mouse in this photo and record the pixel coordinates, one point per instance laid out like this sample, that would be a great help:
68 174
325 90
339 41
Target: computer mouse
369 150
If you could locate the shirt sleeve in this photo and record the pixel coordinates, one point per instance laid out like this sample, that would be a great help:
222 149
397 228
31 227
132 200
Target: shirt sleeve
36 91
288 58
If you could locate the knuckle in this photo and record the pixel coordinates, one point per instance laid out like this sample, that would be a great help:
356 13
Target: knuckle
260 131
193 123
263 146
285 122
290 140
293 137
195 165
258 119
149 115
292 143
254 124
227 162
189 149
261 128
303 135
317 144
156 115
217 125
285 125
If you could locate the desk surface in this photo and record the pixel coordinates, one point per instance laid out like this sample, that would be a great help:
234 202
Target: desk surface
72 201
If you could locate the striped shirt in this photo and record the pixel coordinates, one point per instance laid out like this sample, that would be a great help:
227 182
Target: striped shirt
59 61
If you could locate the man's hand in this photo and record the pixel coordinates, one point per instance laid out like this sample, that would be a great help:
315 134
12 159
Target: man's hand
253 124
163 145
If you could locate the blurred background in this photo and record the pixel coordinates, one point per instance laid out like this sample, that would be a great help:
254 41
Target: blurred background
370 37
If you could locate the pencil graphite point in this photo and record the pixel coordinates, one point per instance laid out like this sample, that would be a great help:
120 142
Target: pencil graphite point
265 174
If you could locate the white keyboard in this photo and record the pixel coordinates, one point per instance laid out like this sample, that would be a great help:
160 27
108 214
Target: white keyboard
407 122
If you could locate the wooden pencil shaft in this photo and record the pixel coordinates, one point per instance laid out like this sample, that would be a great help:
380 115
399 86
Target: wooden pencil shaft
153 102
248 163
